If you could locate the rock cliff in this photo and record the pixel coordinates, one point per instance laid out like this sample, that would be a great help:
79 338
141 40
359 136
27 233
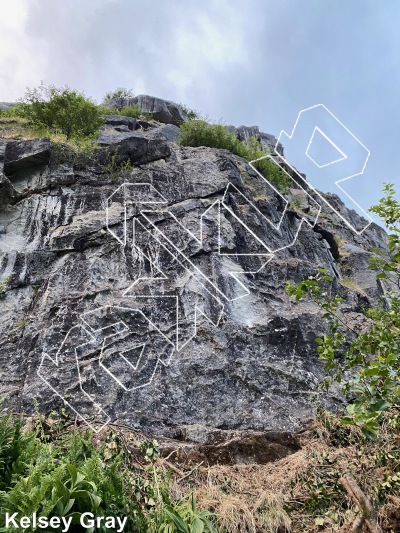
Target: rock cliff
148 287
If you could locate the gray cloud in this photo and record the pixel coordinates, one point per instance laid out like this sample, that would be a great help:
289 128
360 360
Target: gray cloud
255 62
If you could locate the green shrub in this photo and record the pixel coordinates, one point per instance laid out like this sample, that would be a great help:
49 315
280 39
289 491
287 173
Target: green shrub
366 362
201 133
253 151
191 114
3 287
61 110
10 112
80 153
121 92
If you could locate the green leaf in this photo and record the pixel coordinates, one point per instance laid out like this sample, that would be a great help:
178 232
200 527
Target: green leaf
197 526
68 507
73 472
372 371
177 520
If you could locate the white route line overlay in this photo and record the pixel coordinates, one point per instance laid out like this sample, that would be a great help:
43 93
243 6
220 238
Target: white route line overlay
337 183
188 265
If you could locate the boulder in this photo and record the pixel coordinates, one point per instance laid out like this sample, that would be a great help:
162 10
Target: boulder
160 110
110 136
169 132
199 444
119 120
134 148
20 155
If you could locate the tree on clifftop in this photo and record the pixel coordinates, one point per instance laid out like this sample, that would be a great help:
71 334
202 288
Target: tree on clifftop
61 110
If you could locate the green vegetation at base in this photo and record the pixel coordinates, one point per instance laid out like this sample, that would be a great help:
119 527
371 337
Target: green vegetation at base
54 469
51 467
200 133
316 496
371 355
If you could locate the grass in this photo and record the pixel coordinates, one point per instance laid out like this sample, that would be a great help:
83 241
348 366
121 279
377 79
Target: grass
22 324
301 493
133 111
349 283
14 127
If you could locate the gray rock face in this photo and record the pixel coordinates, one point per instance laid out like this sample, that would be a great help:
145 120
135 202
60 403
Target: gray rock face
116 121
20 155
169 132
152 299
7 192
135 148
118 128
161 110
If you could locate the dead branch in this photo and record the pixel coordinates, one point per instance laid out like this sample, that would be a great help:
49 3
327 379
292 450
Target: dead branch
190 473
363 503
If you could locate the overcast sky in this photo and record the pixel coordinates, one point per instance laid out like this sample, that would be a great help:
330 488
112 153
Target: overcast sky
245 62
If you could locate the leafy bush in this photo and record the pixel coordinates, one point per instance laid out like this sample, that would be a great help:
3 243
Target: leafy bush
64 110
252 151
185 518
80 153
121 92
56 470
201 133
191 114
372 357
9 112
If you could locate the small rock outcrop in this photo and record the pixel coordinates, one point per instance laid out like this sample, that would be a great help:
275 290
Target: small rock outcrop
20 155
160 110
244 133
